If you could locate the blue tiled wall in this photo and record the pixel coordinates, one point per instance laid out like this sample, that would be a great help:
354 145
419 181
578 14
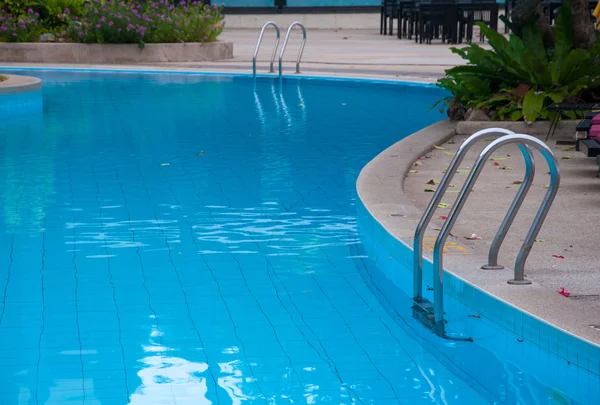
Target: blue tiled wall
22 103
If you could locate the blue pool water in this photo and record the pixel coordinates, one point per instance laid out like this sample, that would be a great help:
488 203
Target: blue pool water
186 239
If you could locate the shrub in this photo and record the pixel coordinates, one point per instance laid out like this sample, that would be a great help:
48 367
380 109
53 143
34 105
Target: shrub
19 29
520 77
161 21
52 12
17 8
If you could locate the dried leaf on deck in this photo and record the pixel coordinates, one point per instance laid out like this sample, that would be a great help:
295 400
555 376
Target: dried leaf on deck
463 171
418 164
429 190
499 159
438 147
413 171
443 205
506 168
567 157
449 153
433 182
517 182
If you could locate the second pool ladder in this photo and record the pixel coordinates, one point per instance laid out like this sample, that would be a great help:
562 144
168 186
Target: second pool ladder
283 47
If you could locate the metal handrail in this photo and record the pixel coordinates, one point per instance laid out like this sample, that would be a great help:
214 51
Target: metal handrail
437 197
519 270
260 37
287 35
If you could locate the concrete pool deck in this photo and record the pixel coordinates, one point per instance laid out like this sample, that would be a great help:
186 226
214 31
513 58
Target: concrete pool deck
565 255
348 53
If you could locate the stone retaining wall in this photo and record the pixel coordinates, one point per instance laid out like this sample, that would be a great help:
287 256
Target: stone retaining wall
38 52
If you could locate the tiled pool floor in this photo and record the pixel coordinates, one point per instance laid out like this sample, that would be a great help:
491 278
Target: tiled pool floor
170 240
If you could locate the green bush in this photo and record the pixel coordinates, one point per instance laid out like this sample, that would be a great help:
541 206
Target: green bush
520 77
17 8
162 21
19 29
52 12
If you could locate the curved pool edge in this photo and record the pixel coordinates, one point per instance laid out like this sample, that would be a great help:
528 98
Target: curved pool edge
175 70
381 197
20 95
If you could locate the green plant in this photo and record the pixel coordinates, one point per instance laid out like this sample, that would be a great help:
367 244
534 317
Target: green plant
3 78
520 77
117 22
19 29
53 11
17 8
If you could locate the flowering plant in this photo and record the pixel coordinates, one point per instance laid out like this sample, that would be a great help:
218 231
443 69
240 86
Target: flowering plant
118 22
19 29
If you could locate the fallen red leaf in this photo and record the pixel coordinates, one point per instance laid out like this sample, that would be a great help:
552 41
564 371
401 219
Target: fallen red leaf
421 158
443 217
558 256
563 292
496 164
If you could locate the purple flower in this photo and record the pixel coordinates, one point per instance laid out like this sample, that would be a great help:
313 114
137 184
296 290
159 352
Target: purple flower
95 11
103 19
29 10
24 27
80 33
3 28
205 38
14 34
98 25
67 11
36 14
110 23
76 18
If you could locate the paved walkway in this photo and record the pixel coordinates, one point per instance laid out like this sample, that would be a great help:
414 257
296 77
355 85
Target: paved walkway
349 53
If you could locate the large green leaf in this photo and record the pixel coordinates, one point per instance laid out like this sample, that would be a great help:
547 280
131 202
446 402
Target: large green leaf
532 36
563 34
533 103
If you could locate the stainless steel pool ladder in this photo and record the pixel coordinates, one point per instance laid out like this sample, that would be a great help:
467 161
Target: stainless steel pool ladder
433 314
285 41
260 37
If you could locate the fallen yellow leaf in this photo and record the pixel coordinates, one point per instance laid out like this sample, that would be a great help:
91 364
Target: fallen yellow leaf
517 182
413 171
449 153
567 157
429 190
418 164
438 147
499 159
443 205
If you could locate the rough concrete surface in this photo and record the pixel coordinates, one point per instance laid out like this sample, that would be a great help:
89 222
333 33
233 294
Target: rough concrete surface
15 84
570 230
113 53
348 53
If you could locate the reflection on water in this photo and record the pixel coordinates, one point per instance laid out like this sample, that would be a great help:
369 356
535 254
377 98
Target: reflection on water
181 240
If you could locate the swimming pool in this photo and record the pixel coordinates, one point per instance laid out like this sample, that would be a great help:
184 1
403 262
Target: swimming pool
192 239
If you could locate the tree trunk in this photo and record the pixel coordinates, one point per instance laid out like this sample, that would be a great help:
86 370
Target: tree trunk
527 11
583 27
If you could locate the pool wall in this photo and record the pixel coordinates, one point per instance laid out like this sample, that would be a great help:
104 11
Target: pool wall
555 357
20 95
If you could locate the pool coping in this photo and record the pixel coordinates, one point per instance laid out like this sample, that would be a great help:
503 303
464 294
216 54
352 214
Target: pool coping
380 188
16 84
